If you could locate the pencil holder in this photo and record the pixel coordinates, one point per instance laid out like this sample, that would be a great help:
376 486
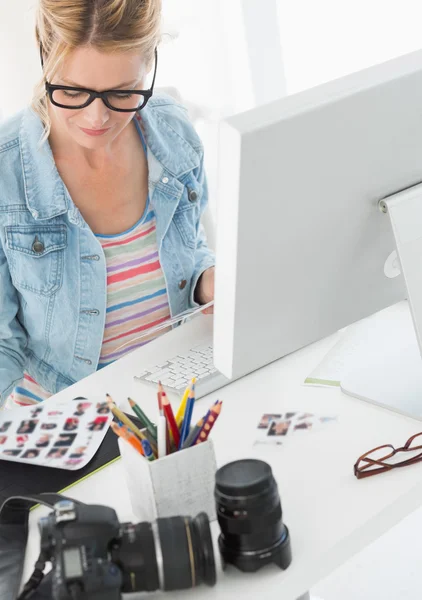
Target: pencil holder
181 483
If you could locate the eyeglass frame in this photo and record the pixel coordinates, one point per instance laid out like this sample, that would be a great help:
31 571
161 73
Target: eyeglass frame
93 94
360 473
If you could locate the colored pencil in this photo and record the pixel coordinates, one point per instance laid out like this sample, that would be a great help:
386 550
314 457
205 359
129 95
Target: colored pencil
171 421
209 423
193 436
187 417
160 406
149 425
159 395
149 454
124 419
182 406
152 441
162 436
131 439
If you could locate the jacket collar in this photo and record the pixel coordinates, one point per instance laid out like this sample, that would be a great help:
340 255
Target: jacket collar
165 139
46 195
45 191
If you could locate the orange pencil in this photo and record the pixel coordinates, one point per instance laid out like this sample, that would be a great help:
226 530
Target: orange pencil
128 437
209 423
171 421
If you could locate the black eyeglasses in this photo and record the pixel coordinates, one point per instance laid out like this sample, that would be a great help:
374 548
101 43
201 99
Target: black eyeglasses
75 98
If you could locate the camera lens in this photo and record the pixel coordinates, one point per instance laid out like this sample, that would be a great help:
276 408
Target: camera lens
175 553
250 516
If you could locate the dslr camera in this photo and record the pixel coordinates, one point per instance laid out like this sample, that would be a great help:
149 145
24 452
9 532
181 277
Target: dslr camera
95 557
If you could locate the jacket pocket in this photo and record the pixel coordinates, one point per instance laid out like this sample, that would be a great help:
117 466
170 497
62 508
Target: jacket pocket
36 256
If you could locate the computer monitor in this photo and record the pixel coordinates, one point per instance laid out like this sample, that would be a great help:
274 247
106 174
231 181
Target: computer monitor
304 245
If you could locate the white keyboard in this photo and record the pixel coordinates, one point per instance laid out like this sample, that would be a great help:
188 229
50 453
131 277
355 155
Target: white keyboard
176 373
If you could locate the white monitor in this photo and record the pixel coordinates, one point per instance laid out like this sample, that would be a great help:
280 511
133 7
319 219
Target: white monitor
303 247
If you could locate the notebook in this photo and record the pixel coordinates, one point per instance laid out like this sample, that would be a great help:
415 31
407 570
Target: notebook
356 343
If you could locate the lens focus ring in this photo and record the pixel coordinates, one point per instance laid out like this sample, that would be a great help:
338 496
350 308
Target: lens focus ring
245 524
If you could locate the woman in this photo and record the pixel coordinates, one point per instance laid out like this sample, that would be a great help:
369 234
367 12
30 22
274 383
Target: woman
103 189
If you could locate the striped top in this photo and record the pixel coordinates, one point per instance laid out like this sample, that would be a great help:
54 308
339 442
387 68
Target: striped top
136 289
136 297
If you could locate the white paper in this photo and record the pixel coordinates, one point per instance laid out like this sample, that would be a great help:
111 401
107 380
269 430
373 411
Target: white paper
356 343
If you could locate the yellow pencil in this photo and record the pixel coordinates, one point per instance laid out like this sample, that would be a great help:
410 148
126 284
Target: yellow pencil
124 419
182 406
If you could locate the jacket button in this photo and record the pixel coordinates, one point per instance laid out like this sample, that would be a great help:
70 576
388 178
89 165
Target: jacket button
192 195
182 284
37 246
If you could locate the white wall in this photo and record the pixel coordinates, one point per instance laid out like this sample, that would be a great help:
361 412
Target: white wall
325 39
19 60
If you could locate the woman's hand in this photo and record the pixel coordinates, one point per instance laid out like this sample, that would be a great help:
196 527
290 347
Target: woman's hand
204 291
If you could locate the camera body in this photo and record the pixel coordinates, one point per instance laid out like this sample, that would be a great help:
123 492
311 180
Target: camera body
78 539
94 557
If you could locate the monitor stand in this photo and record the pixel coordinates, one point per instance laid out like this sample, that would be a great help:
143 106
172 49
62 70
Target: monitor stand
392 374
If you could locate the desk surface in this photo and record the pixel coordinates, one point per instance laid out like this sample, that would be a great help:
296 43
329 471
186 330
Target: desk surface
330 514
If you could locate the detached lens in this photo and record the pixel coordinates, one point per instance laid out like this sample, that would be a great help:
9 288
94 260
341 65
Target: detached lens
250 516
171 554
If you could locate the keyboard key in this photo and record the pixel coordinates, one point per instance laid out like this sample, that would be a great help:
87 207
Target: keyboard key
203 348
160 374
202 371
180 382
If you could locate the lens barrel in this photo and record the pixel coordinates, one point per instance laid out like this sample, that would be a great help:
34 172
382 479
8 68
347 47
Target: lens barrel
250 516
174 553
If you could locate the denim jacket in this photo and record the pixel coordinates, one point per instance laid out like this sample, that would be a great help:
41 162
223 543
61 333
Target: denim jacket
52 267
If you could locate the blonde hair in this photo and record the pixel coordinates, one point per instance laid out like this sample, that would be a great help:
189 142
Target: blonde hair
107 25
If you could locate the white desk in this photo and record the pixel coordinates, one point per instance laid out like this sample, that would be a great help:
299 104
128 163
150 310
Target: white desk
330 514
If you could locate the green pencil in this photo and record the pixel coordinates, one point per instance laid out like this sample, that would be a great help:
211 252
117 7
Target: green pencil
149 425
